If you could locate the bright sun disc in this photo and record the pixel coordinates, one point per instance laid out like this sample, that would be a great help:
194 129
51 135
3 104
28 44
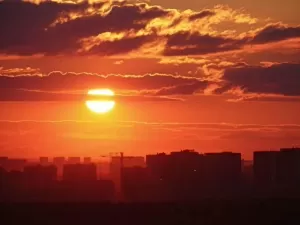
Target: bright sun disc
100 106
101 92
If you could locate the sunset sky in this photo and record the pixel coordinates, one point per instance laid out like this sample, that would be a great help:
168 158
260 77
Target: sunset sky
209 75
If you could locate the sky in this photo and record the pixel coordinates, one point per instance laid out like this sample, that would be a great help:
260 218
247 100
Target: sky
206 75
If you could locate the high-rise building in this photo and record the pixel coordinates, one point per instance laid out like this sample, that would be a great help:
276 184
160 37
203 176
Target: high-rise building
117 162
14 164
222 169
73 160
128 161
44 161
288 166
79 172
59 163
40 176
264 167
179 172
185 161
3 160
136 184
87 160
158 164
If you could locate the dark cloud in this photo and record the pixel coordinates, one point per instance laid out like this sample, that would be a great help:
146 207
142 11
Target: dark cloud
140 13
273 99
26 29
50 28
282 79
185 43
275 32
265 82
29 95
23 25
124 45
73 81
119 18
58 86
184 89
201 15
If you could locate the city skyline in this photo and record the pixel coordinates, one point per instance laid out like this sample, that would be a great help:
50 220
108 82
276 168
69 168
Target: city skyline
92 77
181 176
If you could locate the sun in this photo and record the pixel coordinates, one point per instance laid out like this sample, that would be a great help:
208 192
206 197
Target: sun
100 106
101 92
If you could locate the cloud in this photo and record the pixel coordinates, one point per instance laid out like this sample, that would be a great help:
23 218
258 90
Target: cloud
19 71
185 43
23 26
240 81
59 86
256 97
201 15
115 47
183 60
274 33
281 79
273 98
29 95
184 89
55 28
57 80
108 28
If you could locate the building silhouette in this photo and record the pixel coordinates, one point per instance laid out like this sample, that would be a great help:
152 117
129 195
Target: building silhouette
73 160
265 167
288 166
119 162
3 160
44 161
277 173
281 168
222 173
135 184
189 175
182 176
80 184
79 172
10 164
59 163
39 182
87 160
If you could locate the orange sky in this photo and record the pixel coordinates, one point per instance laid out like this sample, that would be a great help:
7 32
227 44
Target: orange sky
209 75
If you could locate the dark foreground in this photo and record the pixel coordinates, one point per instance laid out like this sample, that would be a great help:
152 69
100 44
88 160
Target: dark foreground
254 212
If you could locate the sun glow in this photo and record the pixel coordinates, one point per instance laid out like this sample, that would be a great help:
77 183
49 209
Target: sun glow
101 92
100 106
